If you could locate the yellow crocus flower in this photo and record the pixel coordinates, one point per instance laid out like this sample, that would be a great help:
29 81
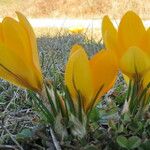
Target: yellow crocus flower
19 60
88 76
76 30
131 43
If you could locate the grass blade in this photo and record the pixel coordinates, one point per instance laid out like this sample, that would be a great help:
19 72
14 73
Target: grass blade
51 101
70 102
43 108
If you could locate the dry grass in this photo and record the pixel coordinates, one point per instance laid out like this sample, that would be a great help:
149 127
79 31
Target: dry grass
75 8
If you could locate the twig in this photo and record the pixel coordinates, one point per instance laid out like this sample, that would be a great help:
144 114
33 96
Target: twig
4 147
56 143
19 113
38 146
69 147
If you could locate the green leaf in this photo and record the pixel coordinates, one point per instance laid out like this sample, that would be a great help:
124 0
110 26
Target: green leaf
121 128
145 145
24 134
94 100
131 143
126 118
50 101
134 142
134 98
42 108
94 115
78 129
90 147
112 124
69 101
122 141
129 90
147 123
80 107
58 101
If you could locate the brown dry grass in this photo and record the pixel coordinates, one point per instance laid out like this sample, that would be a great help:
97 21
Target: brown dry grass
75 8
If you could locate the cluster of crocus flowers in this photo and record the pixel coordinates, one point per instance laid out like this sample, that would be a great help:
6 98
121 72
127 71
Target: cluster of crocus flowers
19 60
131 43
91 78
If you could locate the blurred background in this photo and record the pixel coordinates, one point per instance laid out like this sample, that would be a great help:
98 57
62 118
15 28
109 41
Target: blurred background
91 9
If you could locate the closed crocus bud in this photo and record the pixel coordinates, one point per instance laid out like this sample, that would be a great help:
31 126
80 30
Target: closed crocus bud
131 43
19 60
88 76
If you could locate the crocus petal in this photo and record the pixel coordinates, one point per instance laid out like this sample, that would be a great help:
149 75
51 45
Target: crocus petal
69 76
134 61
109 35
15 38
146 79
76 30
33 52
78 76
1 33
11 77
146 82
69 69
131 31
75 48
104 70
83 77
32 39
13 69
147 45
126 78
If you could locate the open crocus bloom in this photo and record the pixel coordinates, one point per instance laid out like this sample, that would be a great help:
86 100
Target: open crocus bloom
88 76
131 43
19 60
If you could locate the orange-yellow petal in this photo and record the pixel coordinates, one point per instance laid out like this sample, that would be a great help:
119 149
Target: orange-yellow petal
1 33
76 30
109 34
13 69
147 45
134 61
78 76
146 79
75 48
12 78
131 31
126 78
104 70
69 69
146 82
69 75
14 37
33 51
32 39
82 77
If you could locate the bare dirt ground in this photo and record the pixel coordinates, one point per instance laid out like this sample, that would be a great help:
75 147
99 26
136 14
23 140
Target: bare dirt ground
75 8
